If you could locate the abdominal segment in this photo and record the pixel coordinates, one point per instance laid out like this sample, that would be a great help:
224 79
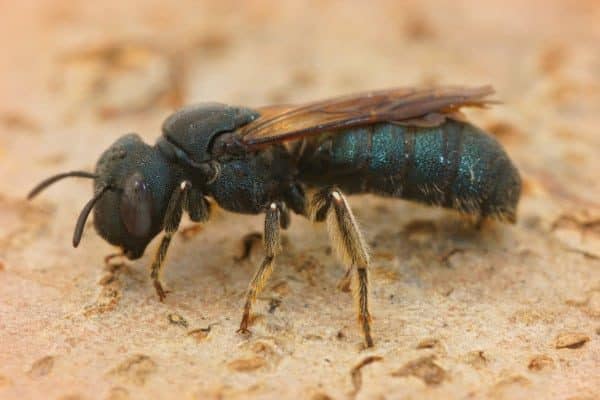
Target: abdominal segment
454 165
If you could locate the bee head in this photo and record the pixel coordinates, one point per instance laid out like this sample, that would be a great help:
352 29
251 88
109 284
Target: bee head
132 186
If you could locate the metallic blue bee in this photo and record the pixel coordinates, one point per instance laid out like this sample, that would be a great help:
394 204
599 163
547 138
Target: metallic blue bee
405 143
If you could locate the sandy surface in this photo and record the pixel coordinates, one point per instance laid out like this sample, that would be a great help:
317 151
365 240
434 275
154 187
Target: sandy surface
510 312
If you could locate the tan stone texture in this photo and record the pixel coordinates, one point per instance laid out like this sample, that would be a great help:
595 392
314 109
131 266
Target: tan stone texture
508 312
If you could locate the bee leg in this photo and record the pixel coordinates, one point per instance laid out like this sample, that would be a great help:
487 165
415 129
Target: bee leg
295 198
252 238
284 216
171 224
109 257
351 247
272 245
346 281
197 206
248 242
321 204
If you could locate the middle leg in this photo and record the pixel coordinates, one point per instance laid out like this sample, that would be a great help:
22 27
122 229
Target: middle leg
249 240
272 246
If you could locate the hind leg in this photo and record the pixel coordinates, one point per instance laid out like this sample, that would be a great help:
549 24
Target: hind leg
331 204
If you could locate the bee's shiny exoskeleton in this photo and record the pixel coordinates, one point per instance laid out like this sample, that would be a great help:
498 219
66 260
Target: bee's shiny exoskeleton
404 143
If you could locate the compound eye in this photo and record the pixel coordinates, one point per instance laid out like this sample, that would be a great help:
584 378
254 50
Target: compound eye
136 206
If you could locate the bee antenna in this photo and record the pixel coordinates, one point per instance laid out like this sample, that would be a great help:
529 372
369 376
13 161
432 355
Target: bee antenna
49 181
84 215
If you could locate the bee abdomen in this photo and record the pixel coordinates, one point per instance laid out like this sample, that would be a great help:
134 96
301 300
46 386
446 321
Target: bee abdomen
454 165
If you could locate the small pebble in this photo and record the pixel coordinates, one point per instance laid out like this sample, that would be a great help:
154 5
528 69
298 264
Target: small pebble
571 340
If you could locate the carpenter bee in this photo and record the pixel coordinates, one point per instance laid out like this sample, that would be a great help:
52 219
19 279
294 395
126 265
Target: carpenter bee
407 143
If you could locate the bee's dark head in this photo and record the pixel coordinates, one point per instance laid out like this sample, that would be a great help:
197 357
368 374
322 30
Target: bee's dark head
132 186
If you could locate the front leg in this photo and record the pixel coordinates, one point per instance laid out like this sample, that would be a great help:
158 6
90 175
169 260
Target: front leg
182 198
351 247
272 244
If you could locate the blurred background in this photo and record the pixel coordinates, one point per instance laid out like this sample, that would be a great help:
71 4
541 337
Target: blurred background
72 66
76 75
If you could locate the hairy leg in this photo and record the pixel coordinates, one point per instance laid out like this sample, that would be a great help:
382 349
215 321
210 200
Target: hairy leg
249 240
331 204
272 246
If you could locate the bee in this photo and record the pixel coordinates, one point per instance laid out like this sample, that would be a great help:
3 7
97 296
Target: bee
406 143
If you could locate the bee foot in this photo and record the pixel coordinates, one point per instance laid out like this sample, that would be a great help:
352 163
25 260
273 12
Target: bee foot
344 284
244 332
162 294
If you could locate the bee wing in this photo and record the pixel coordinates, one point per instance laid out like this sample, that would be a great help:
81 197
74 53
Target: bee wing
420 107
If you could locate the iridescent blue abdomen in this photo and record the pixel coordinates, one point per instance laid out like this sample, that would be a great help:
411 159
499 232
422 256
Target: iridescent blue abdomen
454 165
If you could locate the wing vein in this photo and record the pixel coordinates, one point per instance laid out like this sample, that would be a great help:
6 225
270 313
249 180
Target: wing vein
400 105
